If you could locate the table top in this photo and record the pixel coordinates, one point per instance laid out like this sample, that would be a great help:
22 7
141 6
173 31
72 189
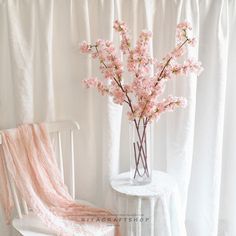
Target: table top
162 183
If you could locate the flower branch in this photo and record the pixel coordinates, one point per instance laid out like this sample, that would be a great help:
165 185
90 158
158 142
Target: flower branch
145 89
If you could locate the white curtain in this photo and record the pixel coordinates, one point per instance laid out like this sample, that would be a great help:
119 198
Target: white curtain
40 79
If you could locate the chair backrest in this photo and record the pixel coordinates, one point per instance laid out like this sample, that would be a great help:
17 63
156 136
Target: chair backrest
62 134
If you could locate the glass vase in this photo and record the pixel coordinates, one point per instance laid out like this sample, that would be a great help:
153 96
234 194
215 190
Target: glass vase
140 138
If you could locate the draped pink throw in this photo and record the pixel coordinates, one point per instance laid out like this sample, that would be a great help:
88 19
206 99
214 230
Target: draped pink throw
28 155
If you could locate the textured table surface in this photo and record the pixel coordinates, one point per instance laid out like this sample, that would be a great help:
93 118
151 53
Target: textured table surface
162 183
158 202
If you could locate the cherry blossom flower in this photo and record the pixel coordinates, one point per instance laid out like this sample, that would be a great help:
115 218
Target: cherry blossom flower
142 93
184 26
91 82
85 47
192 66
118 95
192 42
121 27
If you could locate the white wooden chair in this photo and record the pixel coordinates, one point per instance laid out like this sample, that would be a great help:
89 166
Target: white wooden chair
26 222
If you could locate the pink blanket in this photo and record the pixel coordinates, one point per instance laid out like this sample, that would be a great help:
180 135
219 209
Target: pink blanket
28 155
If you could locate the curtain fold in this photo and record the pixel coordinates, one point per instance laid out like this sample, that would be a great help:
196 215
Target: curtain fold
41 73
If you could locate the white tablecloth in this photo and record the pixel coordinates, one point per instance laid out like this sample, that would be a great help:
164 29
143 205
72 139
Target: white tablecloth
148 210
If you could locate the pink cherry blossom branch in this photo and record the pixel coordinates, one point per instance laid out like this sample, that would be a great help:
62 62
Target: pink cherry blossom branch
118 83
128 102
146 89
160 77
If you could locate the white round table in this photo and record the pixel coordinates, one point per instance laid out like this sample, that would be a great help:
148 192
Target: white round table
152 209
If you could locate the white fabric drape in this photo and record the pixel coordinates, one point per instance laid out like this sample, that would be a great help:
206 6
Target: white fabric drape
40 79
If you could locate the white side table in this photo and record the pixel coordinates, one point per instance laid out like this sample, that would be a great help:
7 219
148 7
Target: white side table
150 210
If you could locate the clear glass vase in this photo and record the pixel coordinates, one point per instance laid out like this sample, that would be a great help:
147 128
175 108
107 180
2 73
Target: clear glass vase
140 138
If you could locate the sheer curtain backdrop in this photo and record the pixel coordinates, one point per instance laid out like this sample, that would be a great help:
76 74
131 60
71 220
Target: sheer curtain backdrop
41 71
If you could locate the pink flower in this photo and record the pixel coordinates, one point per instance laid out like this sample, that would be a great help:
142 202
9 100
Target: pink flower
139 59
128 88
177 70
171 103
178 51
91 82
143 91
146 34
184 25
181 31
121 27
85 47
102 88
192 42
183 102
118 95
192 66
